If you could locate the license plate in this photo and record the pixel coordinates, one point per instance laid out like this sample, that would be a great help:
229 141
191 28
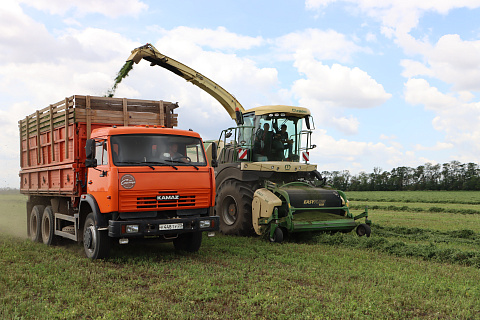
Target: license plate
170 226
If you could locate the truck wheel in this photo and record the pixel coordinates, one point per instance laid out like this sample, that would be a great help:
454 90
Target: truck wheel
234 206
96 243
189 242
48 227
35 223
364 230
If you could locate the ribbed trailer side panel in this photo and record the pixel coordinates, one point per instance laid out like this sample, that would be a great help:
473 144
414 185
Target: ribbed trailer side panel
52 153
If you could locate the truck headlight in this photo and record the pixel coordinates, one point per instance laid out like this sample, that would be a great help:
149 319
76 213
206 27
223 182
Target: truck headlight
204 223
131 228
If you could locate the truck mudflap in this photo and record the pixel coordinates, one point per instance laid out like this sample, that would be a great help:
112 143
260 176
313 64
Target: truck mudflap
156 227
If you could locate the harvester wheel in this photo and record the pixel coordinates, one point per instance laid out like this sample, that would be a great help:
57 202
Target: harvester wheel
189 242
48 227
364 230
96 243
277 235
234 206
35 223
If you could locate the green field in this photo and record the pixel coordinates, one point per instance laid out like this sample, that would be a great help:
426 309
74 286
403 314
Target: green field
416 265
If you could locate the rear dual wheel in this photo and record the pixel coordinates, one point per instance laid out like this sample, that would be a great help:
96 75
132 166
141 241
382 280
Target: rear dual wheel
35 223
48 227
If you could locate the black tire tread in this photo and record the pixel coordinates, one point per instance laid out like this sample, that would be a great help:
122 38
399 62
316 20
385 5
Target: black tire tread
243 226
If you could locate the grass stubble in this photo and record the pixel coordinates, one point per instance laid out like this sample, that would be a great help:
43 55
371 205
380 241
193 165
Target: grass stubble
398 273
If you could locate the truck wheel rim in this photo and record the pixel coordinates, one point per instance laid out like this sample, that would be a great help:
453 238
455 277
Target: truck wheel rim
89 238
33 224
230 210
45 228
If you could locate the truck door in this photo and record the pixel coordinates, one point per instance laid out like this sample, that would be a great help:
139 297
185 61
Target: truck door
99 178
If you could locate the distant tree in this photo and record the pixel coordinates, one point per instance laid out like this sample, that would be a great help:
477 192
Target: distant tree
452 175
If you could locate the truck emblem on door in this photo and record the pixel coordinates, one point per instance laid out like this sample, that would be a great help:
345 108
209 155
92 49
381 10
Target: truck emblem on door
127 181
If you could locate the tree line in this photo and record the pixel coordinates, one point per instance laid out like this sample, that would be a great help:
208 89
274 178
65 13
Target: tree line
448 176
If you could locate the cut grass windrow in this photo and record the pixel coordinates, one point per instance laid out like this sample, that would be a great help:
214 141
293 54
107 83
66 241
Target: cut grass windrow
430 252
443 197
416 209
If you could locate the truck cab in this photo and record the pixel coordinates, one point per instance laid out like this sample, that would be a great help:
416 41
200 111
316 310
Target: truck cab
149 181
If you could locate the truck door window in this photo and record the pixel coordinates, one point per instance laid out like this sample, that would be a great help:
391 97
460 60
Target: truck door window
101 152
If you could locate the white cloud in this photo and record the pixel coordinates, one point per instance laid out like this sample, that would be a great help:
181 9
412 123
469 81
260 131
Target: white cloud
412 68
342 154
338 85
111 8
400 15
438 146
317 44
392 140
457 118
451 60
457 62
21 37
328 90
219 38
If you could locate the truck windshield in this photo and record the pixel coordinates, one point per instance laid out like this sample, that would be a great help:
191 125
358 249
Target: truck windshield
157 150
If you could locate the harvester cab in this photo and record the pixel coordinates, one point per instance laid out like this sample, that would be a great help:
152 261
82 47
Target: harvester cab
269 133
264 181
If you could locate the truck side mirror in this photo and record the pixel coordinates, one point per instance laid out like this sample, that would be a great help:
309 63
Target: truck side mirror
90 161
214 155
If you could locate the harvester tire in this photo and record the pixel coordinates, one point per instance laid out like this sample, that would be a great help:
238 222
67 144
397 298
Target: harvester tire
234 207
364 230
48 227
35 223
277 235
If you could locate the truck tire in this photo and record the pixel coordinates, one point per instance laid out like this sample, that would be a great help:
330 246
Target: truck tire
48 227
35 222
96 243
234 206
189 242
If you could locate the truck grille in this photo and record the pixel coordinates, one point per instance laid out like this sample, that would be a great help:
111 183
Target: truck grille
130 201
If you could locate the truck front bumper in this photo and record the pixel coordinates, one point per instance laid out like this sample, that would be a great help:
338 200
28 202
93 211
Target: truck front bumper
157 227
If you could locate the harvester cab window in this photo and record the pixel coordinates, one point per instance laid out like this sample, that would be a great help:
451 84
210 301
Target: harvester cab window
101 152
276 138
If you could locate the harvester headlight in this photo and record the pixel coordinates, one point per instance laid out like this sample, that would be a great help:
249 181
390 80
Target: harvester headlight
131 228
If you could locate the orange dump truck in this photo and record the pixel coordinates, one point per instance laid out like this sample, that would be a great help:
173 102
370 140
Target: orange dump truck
97 169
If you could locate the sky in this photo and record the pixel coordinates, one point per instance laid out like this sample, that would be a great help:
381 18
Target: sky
389 83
